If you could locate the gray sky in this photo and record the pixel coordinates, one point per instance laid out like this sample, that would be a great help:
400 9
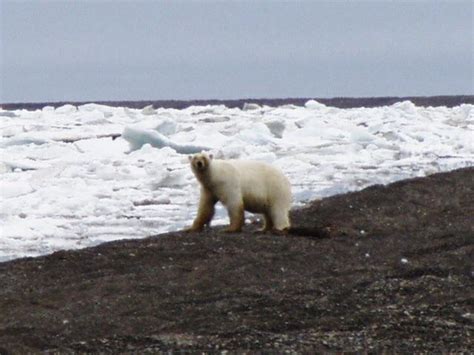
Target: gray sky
139 50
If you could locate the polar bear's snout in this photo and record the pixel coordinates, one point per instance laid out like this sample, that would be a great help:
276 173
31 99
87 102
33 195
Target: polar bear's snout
200 162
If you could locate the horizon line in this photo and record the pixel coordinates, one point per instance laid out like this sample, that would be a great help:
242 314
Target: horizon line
338 101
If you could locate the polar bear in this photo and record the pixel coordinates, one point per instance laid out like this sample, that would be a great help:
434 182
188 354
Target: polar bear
241 185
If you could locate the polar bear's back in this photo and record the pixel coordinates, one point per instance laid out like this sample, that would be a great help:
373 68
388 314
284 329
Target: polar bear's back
262 185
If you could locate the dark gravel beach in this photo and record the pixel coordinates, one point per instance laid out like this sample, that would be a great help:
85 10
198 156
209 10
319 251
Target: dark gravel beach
389 268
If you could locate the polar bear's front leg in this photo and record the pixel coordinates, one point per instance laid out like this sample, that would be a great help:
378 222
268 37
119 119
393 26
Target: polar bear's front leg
205 212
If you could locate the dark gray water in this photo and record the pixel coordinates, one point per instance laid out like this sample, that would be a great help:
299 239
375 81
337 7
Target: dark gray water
340 102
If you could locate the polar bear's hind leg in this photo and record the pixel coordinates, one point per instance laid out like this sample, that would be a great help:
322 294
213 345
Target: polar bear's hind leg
280 218
267 224
237 218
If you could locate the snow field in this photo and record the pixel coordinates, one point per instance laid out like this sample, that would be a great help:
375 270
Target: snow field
66 183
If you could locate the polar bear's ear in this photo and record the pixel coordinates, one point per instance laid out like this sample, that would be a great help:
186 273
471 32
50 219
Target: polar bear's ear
211 156
190 157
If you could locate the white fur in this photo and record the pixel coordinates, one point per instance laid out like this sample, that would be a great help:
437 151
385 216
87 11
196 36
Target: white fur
244 184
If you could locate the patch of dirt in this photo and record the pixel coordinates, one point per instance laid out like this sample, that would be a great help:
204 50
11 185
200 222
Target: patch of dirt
387 268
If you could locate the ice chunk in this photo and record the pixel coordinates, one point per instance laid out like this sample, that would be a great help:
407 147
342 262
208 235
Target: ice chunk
314 105
138 137
361 135
22 140
259 134
66 109
167 127
276 127
11 189
406 106
248 106
148 110
25 164
7 114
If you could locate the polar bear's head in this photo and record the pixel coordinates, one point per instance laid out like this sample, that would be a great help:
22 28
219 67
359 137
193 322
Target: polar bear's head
200 162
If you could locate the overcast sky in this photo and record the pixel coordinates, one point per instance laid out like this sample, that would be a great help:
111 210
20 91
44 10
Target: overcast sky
139 50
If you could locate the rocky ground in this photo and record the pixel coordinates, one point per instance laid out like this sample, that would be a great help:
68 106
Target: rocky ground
387 268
